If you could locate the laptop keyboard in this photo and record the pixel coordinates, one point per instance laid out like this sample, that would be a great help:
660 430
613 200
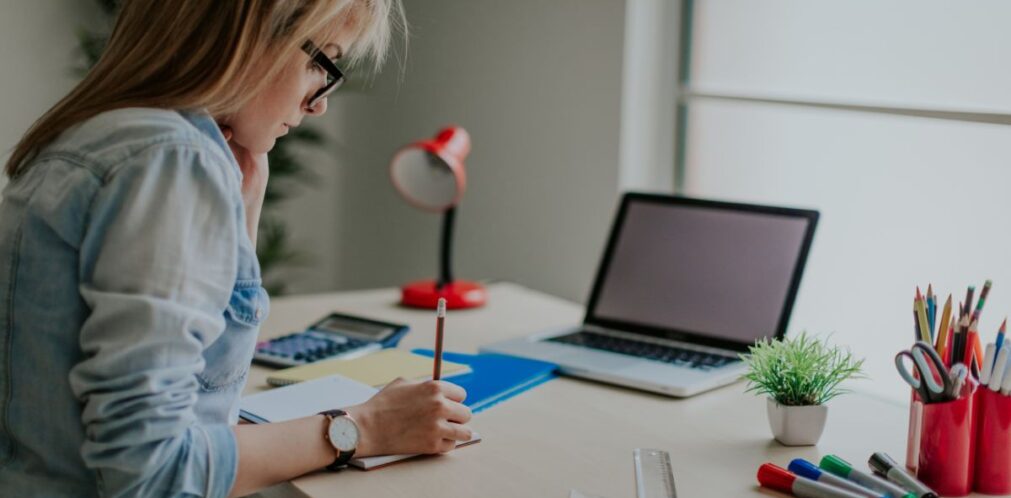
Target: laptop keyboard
657 352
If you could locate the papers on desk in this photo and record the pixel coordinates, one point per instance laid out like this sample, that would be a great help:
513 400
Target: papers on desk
311 397
376 369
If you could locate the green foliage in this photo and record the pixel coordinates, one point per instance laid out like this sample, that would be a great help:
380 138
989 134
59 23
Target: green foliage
287 174
801 371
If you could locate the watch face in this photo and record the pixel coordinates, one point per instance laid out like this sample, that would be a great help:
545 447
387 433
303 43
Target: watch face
343 433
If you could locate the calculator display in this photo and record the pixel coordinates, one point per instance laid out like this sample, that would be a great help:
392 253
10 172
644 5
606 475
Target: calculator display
340 325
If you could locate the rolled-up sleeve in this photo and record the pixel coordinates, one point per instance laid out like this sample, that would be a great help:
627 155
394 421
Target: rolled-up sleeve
158 264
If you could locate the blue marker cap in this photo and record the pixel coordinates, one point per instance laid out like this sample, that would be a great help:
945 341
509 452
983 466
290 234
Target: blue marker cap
805 468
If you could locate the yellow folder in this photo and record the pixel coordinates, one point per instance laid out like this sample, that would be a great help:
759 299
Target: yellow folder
376 369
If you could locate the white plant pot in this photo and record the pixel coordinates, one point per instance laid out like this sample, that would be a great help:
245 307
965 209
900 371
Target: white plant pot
796 425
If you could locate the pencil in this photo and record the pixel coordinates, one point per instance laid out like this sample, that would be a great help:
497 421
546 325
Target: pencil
1000 335
440 319
921 313
963 340
973 350
916 320
942 328
982 300
949 343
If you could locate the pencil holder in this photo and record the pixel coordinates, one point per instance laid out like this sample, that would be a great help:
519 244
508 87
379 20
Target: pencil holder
947 446
993 446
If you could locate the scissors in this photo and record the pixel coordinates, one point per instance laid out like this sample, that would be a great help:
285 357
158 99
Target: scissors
929 367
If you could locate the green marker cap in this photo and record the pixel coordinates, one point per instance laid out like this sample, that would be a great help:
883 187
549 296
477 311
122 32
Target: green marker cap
836 465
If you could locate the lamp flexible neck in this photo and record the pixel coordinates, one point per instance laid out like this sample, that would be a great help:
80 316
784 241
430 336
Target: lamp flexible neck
446 253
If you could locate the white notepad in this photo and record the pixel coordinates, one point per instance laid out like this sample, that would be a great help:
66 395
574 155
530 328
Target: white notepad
315 396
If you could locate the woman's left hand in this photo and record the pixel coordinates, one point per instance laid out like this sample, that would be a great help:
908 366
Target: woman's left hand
254 181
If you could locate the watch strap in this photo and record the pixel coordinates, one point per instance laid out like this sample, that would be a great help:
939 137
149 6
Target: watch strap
343 457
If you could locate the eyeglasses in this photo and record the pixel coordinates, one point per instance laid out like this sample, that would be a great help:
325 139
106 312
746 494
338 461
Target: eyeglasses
334 76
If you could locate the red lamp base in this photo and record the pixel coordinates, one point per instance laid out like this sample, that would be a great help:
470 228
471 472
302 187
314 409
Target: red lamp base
459 294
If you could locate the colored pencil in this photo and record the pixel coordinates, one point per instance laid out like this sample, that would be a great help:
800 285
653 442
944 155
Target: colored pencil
921 314
942 328
1000 335
931 310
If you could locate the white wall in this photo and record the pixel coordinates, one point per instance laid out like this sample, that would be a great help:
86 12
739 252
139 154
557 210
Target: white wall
905 200
538 86
37 54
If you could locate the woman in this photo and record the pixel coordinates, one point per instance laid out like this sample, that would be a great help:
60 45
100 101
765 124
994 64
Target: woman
130 289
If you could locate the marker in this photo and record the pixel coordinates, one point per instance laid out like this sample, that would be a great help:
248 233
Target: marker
804 468
884 465
842 468
1005 385
997 375
982 300
988 360
780 479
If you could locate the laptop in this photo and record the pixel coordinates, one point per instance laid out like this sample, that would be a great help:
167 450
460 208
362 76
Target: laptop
684 287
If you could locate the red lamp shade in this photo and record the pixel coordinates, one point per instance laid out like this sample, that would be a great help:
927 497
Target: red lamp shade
430 175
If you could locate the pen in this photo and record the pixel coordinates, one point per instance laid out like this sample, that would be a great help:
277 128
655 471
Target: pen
811 471
968 300
884 465
842 468
780 479
440 319
958 375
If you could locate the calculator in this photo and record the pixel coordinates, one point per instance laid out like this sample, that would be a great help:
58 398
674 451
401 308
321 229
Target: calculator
334 336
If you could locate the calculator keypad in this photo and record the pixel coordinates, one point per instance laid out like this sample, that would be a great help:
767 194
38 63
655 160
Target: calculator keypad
306 347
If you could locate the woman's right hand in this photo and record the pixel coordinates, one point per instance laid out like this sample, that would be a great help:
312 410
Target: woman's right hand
412 417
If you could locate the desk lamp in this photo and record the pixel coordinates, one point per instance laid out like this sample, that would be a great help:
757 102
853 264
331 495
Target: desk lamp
430 175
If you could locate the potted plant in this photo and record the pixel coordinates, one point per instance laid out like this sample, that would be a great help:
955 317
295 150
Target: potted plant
799 376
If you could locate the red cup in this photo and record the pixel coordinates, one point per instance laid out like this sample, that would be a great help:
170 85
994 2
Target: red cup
948 445
993 445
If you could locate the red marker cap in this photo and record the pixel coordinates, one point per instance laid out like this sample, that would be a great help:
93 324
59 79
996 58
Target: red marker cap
778 478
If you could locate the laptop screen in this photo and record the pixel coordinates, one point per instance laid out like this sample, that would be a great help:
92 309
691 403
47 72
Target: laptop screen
719 273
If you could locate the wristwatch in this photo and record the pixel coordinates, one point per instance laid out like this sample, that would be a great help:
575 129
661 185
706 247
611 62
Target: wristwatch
342 434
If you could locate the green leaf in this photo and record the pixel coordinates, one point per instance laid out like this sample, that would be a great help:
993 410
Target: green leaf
801 371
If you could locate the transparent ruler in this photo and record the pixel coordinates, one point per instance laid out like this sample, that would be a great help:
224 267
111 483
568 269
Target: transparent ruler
653 475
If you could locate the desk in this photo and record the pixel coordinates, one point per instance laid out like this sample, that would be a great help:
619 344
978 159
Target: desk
570 433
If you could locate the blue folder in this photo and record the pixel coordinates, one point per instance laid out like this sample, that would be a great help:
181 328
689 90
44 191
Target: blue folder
495 377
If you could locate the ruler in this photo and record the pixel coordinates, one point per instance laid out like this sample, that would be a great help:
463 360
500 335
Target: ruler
653 475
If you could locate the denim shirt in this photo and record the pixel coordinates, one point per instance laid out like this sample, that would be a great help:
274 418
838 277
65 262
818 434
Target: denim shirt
130 302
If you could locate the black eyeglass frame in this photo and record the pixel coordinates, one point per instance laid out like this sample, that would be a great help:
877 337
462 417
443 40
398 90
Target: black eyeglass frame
329 66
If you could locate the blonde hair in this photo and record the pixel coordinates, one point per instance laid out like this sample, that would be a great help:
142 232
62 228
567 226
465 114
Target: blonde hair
206 54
